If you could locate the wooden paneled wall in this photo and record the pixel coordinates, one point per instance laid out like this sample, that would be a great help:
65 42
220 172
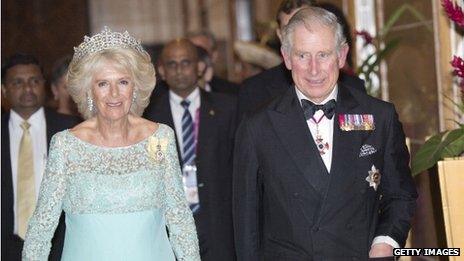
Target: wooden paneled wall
48 29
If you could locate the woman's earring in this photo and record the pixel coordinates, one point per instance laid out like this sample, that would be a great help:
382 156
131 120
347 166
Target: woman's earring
90 103
134 97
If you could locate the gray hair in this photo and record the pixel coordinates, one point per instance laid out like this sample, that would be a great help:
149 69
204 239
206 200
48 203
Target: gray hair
309 17
81 72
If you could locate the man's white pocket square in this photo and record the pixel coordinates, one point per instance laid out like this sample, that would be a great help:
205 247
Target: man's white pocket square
366 150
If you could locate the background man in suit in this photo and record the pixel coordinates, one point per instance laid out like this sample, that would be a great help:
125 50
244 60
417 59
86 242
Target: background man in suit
204 124
207 41
320 173
205 76
26 133
261 88
65 104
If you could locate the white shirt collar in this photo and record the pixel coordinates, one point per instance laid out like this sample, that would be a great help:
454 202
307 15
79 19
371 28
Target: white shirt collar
208 87
35 119
332 95
176 99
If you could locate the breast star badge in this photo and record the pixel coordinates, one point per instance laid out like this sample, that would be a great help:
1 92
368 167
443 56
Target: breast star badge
373 178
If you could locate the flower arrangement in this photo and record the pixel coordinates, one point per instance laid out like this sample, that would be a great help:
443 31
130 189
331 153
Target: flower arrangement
454 12
448 143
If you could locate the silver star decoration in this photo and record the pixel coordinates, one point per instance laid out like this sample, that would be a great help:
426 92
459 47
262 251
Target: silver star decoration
373 178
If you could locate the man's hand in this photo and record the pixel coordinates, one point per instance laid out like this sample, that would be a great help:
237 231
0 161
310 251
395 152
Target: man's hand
381 250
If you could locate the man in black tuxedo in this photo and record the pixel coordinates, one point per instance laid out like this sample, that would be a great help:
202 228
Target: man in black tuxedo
207 41
261 88
320 173
24 87
212 117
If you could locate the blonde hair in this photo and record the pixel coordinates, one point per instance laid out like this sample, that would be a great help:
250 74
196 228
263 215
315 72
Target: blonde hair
81 71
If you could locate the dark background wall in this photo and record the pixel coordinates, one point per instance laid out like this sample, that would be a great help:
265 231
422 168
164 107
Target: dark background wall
48 29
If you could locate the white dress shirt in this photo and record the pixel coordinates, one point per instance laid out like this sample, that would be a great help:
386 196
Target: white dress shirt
38 131
177 111
326 132
325 125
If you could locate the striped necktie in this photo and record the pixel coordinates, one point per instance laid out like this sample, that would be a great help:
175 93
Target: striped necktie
188 159
188 135
26 181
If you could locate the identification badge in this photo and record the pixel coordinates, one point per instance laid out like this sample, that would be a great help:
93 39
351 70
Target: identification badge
189 178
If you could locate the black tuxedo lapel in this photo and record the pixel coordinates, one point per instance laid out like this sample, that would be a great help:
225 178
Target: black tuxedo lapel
290 125
345 151
346 144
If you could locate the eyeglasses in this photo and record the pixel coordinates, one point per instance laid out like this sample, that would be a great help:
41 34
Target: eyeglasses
183 64
33 82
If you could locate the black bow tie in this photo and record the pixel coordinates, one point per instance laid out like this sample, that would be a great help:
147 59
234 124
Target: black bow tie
310 108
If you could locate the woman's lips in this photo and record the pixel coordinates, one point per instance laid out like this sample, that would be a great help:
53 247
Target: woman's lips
114 104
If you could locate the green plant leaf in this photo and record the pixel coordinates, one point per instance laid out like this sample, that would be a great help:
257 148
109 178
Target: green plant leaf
444 144
460 106
392 19
374 59
390 46
398 13
455 141
427 155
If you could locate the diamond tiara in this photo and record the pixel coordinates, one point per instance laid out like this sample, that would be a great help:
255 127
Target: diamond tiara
106 39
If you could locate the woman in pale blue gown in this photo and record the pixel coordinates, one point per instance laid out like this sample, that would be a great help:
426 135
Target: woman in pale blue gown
116 175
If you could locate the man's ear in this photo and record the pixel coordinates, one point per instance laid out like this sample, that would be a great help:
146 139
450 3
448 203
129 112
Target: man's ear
214 56
209 73
342 53
286 56
201 66
4 91
54 91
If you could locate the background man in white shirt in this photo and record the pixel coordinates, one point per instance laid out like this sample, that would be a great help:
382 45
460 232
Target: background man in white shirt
204 123
26 132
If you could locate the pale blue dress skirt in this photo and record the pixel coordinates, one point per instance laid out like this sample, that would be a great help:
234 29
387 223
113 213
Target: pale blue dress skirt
117 237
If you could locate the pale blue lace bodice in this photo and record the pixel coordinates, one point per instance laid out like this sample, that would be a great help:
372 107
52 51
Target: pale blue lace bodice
82 178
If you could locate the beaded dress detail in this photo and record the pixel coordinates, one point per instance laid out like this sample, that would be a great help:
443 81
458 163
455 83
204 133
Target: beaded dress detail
118 202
